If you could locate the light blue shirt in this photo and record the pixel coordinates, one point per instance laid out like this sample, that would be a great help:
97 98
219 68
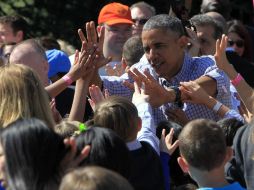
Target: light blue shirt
192 68
233 186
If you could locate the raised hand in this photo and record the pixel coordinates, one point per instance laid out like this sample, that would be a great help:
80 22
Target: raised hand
56 115
221 58
139 96
166 142
83 64
71 159
194 43
116 70
94 43
96 96
157 95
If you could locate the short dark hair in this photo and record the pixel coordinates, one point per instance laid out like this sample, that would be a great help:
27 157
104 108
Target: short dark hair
230 127
142 4
133 50
202 144
49 43
205 20
17 23
119 114
165 22
38 153
107 149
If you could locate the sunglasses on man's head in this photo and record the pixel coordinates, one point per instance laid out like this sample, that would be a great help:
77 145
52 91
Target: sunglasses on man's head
140 21
238 43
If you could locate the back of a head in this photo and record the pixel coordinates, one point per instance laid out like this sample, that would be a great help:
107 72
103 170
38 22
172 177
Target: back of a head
66 128
107 149
230 127
17 23
221 6
38 153
22 95
202 144
218 18
49 43
28 46
133 50
94 178
31 54
165 22
118 114
204 20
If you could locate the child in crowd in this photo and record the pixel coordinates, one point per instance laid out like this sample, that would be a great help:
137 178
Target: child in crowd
31 155
230 127
204 154
94 178
107 149
122 116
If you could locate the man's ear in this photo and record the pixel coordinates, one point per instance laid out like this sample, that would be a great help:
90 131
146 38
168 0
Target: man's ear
183 41
124 64
19 36
183 164
229 154
46 66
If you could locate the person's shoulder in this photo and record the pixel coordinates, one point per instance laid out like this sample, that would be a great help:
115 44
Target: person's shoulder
203 64
232 186
207 60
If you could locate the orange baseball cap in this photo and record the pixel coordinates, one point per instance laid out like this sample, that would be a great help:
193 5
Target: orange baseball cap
115 13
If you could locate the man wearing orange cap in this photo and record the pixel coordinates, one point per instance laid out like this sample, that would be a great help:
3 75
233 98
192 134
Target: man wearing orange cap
116 18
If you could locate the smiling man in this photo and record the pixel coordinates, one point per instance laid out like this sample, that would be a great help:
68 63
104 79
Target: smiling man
116 18
164 43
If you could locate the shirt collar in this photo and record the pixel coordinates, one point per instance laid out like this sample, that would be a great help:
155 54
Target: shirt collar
133 145
182 73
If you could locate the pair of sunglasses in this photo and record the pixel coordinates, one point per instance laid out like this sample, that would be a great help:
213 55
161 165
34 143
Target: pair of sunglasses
238 43
140 21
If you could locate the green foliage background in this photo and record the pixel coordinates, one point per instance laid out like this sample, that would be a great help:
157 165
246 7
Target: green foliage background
59 18
62 18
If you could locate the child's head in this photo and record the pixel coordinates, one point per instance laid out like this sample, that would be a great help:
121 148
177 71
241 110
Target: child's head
107 149
94 178
230 127
120 115
202 146
67 129
22 95
38 154
132 51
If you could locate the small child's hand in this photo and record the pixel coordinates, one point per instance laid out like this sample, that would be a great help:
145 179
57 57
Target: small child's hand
96 96
166 142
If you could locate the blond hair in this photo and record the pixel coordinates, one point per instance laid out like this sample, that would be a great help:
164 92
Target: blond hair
22 95
119 114
94 178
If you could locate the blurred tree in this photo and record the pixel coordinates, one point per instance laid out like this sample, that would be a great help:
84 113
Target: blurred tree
62 18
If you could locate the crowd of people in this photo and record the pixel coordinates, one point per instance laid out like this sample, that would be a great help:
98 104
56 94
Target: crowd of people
150 101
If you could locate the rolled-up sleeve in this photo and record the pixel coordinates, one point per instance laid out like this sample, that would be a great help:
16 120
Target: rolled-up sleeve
148 130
